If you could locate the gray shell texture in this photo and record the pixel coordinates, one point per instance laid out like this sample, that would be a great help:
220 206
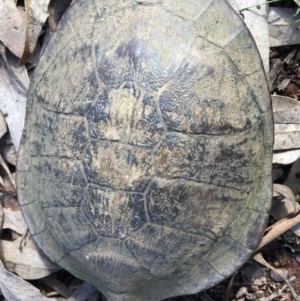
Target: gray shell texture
145 163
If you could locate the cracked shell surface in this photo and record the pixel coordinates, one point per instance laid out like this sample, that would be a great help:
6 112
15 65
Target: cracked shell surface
145 163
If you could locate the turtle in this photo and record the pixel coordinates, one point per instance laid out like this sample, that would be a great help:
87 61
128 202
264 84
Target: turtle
145 161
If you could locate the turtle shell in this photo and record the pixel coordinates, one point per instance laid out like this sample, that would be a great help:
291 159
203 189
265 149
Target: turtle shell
145 164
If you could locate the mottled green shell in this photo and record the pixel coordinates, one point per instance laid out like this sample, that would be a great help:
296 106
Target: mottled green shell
145 164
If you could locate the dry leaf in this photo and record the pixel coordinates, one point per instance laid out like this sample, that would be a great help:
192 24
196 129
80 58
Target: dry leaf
16 289
1 218
12 24
8 183
256 20
19 73
10 154
297 2
38 14
10 202
283 29
287 136
284 203
57 285
292 180
15 221
3 126
286 110
25 262
12 102
278 229
286 157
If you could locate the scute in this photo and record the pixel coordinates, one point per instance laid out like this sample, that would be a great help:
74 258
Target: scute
145 163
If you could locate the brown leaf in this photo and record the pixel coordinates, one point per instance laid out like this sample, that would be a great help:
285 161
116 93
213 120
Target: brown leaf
278 229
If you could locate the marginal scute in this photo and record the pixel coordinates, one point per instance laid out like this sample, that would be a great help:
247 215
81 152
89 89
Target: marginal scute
247 222
189 10
37 224
61 181
48 242
227 250
218 24
145 163
58 135
109 267
63 221
205 274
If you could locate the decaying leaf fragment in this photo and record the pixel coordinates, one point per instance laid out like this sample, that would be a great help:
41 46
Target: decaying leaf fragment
25 262
286 110
37 16
17 289
14 220
3 126
283 28
12 101
7 182
284 203
1 218
13 27
287 129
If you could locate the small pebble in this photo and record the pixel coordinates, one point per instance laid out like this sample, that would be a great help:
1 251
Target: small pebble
242 292
288 297
241 299
263 280
258 282
254 288
250 296
277 277
259 294
298 258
